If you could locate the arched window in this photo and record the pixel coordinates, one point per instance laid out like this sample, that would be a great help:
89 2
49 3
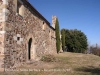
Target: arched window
20 8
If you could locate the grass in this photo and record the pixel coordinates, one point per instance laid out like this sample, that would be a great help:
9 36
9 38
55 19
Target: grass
67 64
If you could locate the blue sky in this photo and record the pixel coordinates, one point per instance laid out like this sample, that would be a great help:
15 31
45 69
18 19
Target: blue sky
83 15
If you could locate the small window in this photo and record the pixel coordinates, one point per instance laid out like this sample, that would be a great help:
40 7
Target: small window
18 38
43 22
49 33
44 26
20 8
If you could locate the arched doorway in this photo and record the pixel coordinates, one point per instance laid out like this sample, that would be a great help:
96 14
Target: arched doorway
29 48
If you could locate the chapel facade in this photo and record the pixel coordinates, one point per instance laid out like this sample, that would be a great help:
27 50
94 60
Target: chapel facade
24 33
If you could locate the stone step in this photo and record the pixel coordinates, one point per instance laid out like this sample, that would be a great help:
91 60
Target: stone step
30 61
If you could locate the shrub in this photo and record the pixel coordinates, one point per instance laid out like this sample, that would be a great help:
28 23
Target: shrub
48 58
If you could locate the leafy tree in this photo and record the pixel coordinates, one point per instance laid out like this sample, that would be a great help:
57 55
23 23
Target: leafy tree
63 39
57 32
95 50
76 41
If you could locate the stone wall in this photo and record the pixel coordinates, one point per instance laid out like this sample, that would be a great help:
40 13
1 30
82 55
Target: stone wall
19 30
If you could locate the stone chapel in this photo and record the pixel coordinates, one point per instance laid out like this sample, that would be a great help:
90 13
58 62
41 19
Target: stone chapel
24 33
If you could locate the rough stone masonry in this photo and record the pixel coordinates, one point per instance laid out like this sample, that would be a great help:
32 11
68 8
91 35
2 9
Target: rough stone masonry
24 33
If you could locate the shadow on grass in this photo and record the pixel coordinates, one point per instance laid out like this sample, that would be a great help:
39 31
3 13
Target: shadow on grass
91 69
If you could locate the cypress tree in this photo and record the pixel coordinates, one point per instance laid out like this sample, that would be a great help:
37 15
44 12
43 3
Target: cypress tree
57 33
63 39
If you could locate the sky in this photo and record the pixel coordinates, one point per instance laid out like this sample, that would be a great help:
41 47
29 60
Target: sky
83 15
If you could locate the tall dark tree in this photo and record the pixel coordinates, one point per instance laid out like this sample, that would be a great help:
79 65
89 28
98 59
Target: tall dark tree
76 41
57 33
63 39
